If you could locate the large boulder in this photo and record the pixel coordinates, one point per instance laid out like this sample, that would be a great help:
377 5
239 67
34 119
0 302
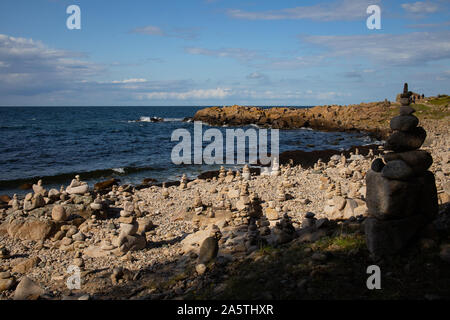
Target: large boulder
391 199
30 229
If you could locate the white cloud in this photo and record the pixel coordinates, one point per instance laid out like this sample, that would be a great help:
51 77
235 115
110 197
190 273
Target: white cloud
388 49
29 67
182 33
218 93
420 7
256 76
342 10
129 81
240 54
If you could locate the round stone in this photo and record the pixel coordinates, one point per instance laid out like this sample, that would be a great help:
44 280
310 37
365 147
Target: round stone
59 213
404 123
309 215
377 165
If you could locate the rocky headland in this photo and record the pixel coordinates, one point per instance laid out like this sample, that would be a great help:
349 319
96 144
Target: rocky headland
372 117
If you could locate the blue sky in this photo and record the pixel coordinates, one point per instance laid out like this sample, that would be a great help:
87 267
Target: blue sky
220 52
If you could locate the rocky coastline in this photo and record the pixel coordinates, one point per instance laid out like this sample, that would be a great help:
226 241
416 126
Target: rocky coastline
300 230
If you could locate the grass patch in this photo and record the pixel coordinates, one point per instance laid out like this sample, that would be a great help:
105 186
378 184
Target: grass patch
443 100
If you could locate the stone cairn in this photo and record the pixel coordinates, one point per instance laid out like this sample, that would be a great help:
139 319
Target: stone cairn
129 239
183 182
401 192
246 175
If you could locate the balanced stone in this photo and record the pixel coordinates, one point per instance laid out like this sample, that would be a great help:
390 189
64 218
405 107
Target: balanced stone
208 250
397 169
418 160
406 141
377 165
59 213
404 123
406 110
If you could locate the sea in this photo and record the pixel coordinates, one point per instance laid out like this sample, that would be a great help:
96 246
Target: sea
99 143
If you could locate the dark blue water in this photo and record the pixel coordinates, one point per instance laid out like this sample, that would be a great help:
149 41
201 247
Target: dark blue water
104 142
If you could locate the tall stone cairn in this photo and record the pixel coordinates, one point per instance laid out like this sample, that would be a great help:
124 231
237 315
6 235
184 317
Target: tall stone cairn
401 192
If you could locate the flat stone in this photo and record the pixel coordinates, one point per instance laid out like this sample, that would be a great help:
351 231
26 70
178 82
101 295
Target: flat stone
404 122
418 160
401 141
26 265
406 110
30 229
127 220
397 170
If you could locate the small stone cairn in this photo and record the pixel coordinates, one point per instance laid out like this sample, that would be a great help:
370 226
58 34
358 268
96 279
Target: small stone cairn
401 192
128 239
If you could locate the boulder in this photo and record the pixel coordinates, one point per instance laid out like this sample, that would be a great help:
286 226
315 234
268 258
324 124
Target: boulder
388 237
390 199
30 229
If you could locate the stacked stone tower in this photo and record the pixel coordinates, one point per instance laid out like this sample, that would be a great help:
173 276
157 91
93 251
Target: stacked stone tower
401 192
